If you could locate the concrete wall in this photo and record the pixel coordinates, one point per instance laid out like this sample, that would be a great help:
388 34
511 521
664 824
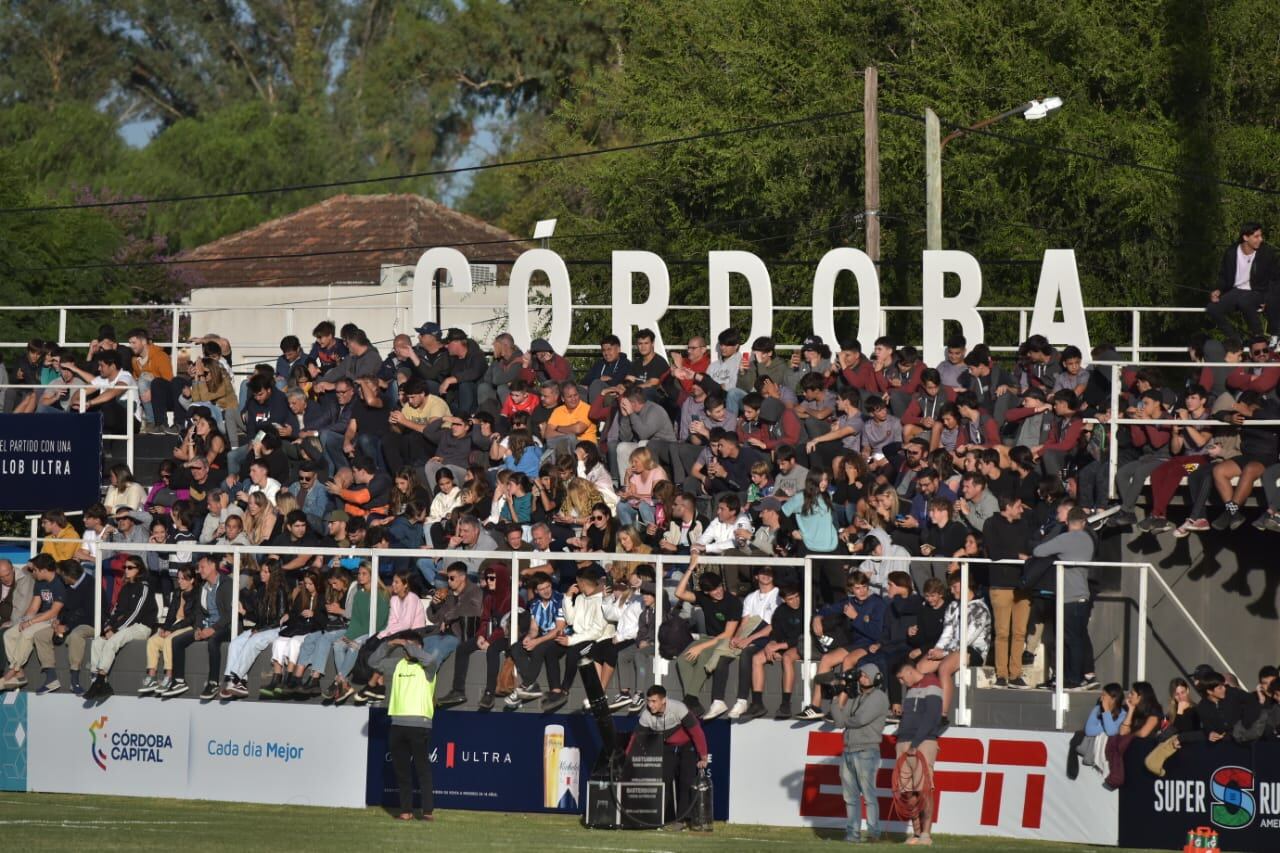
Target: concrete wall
1227 582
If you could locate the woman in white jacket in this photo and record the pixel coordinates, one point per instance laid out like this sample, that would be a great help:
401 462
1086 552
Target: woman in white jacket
585 616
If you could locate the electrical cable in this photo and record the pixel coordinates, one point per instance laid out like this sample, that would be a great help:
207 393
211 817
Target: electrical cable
1088 155
366 250
430 173
912 785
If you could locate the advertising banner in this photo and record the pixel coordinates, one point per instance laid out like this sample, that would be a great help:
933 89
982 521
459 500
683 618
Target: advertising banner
987 782
130 747
518 762
49 461
1234 790
305 755
13 741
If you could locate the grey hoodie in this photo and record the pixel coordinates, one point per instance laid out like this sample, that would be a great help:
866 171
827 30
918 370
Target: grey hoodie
863 716
894 558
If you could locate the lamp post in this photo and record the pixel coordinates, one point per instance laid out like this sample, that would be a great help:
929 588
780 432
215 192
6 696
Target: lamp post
934 143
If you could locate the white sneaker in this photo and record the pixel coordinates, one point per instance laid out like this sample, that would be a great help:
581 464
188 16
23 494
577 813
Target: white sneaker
739 708
512 701
717 708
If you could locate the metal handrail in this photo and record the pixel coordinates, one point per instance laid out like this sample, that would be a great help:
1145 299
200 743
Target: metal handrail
177 311
131 402
962 716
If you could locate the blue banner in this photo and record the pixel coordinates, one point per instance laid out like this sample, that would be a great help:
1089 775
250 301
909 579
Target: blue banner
518 762
1233 790
50 461
13 741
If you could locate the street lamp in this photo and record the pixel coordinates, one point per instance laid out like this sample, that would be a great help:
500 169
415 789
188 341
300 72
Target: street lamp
935 143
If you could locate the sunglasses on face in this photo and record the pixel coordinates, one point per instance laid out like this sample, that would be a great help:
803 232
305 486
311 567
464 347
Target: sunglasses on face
491 577
1262 351
597 518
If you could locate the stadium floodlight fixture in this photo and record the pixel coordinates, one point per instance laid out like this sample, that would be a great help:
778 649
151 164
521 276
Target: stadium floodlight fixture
1041 108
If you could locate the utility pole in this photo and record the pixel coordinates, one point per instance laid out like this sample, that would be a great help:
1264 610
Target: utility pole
932 181
871 137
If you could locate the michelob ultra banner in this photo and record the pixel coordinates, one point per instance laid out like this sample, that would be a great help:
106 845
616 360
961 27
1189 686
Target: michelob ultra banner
1234 790
517 762
50 461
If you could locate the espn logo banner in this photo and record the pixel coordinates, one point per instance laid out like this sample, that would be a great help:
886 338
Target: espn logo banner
987 782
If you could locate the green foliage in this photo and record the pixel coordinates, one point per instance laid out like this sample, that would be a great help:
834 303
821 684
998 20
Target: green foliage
1171 91
264 92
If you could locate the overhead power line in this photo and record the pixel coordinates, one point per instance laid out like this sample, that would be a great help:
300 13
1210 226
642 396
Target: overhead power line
1089 155
431 173
373 250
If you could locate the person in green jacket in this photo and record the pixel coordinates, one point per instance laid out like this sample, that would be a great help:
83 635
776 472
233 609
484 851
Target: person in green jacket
411 706
346 649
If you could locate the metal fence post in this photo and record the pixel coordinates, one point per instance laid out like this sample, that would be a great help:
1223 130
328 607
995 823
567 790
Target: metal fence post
176 314
1059 709
513 629
374 579
660 668
1136 324
806 666
1142 622
62 327
129 402
97 592
962 671
1113 430
35 534
235 602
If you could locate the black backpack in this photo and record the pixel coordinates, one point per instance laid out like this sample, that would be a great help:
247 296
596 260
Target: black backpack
1038 577
674 634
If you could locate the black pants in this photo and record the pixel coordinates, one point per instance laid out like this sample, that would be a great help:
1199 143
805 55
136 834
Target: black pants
493 665
679 772
744 666
406 448
529 663
1077 647
164 399
213 645
462 664
572 654
1244 301
410 746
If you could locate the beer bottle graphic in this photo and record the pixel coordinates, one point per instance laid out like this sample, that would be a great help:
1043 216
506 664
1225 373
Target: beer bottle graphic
567 779
552 744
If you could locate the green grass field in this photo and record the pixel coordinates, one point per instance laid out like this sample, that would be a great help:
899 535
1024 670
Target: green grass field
67 822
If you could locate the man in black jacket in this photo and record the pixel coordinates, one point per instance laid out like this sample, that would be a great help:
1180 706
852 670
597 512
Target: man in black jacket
1247 278
1007 536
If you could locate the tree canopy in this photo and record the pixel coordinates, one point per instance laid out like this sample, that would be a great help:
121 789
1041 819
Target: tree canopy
251 93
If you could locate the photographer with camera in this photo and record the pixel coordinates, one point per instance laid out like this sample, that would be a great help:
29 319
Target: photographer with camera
861 708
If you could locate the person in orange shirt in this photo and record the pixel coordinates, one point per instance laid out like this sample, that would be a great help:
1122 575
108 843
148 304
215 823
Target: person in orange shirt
151 367
569 423
61 539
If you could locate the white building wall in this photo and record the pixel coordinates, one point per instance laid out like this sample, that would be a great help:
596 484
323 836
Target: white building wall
254 319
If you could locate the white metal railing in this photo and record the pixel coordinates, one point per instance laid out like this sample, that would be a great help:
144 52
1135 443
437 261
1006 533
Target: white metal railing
962 715
1114 423
129 399
176 312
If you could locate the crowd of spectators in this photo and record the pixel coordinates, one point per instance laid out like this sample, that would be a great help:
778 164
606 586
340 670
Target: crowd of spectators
1210 708
889 472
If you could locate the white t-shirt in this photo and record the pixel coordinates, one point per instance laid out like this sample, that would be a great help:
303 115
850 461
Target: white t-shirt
761 604
1244 263
270 488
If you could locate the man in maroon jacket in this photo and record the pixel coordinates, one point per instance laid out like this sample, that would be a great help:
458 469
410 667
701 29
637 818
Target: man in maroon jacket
684 742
